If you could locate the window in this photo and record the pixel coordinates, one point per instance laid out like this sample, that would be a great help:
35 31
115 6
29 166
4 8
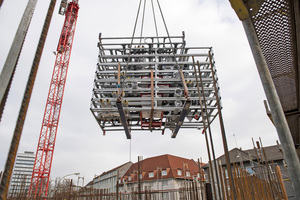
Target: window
151 174
165 196
129 178
179 172
164 172
188 174
165 183
151 184
141 176
226 173
249 170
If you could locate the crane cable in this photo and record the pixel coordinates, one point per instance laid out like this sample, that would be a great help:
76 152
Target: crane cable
130 48
141 33
162 16
142 27
155 22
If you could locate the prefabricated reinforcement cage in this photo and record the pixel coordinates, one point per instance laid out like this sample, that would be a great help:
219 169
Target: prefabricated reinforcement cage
152 83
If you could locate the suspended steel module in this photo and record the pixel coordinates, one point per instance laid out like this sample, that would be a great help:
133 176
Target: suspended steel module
153 83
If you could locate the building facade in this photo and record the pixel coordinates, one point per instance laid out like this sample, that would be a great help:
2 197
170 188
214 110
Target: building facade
21 176
108 180
163 176
260 162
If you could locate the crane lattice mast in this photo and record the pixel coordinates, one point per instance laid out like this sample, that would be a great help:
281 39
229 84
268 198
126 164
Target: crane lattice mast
44 154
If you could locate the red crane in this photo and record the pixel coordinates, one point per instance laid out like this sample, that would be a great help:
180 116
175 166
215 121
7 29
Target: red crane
44 153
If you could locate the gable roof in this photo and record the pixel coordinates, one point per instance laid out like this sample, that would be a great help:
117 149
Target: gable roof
272 152
164 162
237 155
114 169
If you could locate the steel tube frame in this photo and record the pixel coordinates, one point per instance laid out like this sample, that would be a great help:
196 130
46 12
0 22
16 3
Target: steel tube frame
278 116
171 64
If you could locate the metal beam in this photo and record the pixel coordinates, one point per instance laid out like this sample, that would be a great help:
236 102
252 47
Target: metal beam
9 67
278 116
183 113
123 119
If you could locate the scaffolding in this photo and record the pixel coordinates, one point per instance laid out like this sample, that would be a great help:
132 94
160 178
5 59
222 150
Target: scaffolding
150 83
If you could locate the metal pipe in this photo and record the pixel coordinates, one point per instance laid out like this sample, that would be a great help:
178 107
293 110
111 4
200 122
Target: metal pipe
280 122
225 146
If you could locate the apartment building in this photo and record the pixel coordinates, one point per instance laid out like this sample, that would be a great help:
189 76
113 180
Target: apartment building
21 176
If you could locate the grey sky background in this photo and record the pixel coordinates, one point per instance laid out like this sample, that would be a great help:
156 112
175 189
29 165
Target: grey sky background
80 145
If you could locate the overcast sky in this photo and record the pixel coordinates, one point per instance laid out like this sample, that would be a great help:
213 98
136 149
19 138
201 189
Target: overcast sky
80 144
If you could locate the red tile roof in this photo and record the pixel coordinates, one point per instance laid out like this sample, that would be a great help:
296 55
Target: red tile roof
164 162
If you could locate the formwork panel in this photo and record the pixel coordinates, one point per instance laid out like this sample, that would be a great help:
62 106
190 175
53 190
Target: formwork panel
146 75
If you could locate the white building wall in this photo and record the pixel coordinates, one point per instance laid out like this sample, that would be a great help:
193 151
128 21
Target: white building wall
21 176
109 180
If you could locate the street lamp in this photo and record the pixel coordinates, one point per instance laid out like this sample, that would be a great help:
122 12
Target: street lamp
66 176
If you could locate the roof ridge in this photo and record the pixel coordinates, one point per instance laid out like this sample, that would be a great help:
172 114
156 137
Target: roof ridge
115 168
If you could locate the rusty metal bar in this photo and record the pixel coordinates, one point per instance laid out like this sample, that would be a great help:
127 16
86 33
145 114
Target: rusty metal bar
210 133
282 187
225 146
205 130
200 172
221 180
226 185
24 106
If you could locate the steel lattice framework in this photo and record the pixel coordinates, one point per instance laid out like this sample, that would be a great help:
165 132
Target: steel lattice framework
44 154
150 83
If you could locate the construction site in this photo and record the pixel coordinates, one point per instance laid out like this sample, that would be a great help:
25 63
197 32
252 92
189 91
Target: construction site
205 94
